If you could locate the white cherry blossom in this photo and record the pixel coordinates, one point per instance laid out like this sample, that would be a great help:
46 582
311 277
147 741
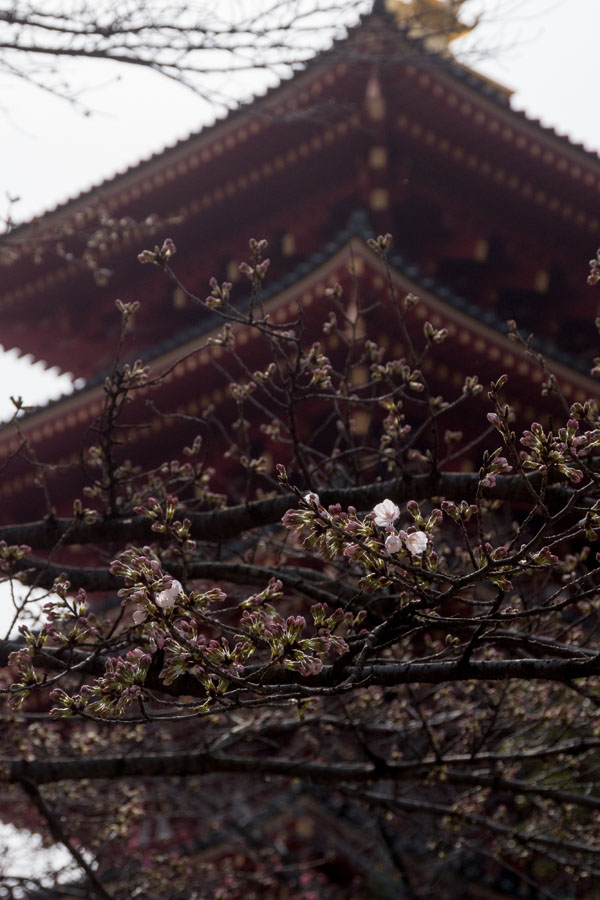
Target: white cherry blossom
393 543
386 513
166 599
416 542
311 499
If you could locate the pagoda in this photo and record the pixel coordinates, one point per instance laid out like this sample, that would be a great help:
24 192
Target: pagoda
493 217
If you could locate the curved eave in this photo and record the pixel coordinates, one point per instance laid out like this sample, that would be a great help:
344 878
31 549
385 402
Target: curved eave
446 67
486 121
486 126
571 175
480 335
253 107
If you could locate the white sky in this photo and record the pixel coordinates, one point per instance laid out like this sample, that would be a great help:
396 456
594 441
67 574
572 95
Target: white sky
22 855
547 50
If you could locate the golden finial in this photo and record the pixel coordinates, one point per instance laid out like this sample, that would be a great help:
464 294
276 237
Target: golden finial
437 22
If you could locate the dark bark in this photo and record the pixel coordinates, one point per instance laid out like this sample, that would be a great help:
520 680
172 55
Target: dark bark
279 681
232 521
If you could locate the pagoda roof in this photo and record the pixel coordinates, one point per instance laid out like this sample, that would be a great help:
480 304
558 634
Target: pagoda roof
359 229
55 430
485 88
269 157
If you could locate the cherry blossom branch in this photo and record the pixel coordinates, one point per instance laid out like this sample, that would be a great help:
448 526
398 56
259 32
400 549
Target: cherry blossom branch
274 681
439 810
229 522
41 573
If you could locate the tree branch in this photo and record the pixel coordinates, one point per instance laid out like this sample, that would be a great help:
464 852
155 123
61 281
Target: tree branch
60 835
43 574
197 764
226 523
334 679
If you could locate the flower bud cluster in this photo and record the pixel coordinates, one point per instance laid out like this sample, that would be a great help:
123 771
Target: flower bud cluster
411 378
594 276
225 338
69 622
26 676
493 465
135 375
219 293
380 244
257 269
256 272
334 532
10 554
434 335
153 591
241 392
459 512
471 386
501 423
394 430
160 256
289 644
266 375
230 659
591 522
85 514
317 366
127 310
547 452
109 695
162 516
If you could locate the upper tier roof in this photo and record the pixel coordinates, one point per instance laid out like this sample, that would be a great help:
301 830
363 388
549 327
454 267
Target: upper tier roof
378 116
418 46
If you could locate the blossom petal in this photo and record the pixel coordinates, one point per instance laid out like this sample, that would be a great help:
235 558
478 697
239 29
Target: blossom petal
416 543
386 513
166 599
393 543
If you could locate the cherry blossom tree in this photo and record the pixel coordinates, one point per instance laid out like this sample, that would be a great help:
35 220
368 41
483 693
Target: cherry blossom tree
335 625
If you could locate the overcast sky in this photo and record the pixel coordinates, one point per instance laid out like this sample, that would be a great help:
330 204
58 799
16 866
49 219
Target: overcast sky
546 50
